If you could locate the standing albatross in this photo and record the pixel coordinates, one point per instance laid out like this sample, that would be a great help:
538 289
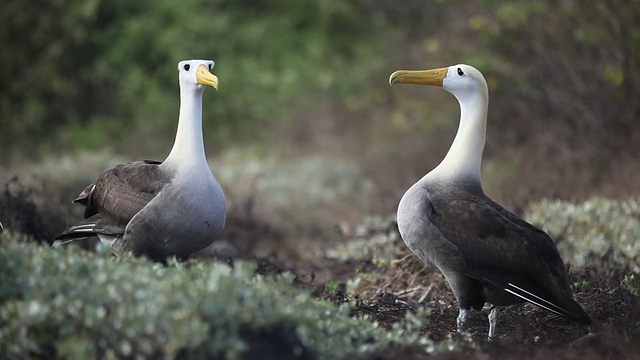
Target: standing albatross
486 253
160 209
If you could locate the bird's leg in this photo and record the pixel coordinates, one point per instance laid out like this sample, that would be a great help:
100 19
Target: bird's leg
493 321
462 320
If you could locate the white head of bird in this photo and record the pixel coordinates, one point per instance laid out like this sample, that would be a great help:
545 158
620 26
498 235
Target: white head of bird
197 73
466 83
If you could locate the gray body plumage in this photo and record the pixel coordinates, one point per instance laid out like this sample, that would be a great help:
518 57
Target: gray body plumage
485 252
138 207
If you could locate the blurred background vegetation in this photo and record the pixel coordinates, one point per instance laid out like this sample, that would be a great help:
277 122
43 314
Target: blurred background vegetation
309 78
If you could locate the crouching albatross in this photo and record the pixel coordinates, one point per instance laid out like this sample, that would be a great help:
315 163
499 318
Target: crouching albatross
160 209
486 253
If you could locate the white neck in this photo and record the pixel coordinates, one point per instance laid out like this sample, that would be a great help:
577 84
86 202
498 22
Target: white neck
463 161
188 148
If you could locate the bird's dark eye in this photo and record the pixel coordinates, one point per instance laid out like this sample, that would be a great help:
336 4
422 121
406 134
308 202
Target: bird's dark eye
460 72
210 67
187 67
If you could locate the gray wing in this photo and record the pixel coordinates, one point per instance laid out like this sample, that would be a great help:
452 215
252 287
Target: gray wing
122 191
116 197
505 251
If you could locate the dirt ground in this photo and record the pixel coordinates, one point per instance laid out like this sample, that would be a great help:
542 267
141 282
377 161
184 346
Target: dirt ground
524 331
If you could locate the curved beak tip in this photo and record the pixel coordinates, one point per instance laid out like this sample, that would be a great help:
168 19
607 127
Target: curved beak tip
394 77
205 77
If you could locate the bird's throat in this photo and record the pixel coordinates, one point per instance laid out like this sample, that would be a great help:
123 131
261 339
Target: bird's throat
464 158
188 147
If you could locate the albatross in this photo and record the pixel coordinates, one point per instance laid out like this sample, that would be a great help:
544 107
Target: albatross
486 253
160 209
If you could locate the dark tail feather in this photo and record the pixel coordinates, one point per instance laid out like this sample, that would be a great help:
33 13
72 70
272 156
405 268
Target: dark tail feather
72 234
572 310
83 229
92 226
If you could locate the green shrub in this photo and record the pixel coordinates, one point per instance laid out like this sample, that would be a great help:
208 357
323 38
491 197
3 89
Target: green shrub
375 239
587 231
68 303
631 282
299 190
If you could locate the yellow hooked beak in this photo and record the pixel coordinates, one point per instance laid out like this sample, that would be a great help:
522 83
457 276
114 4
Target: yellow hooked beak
205 77
432 77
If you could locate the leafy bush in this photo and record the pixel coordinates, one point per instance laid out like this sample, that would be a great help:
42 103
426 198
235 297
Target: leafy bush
68 303
376 239
296 192
588 231
631 282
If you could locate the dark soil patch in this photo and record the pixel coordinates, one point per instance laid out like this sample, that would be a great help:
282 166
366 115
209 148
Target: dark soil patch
280 342
20 211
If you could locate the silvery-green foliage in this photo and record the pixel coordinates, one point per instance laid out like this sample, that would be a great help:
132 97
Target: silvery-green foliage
587 231
631 282
78 304
376 238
